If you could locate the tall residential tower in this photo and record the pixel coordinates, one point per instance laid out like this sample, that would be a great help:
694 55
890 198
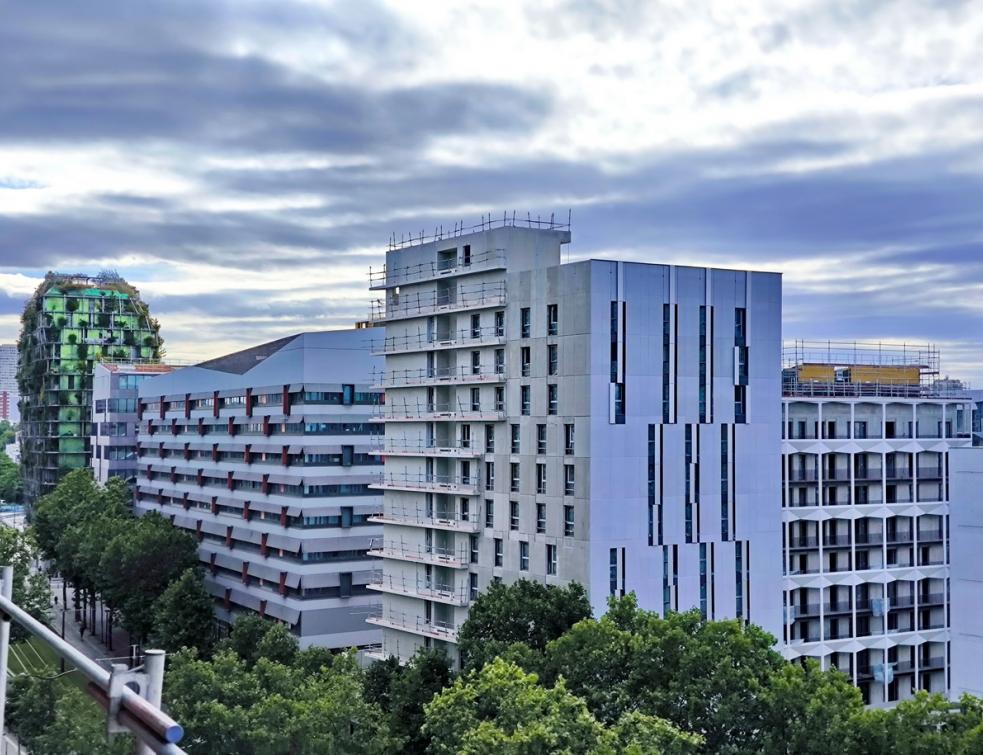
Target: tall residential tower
610 423
70 323
868 431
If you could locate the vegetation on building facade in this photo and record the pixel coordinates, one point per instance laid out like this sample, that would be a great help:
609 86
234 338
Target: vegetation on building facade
71 322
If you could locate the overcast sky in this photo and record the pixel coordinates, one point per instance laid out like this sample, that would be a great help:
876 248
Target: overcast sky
243 163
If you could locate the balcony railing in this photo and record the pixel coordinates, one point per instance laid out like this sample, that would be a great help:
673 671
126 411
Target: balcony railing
421 588
425 303
465 338
433 519
435 269
456 558
424 412
446 449
431 483
439 376
441 630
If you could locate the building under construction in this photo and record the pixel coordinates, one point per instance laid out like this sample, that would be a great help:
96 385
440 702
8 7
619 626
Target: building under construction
867 431
70 323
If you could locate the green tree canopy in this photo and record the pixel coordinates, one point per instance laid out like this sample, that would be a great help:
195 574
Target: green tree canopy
523 612
499 708
184 615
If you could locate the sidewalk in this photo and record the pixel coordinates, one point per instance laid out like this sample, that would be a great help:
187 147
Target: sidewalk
90 644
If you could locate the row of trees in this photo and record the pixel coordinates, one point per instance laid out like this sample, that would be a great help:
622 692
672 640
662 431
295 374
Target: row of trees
11 484
143 570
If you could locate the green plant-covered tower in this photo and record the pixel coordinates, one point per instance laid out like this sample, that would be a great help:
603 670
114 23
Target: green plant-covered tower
69 323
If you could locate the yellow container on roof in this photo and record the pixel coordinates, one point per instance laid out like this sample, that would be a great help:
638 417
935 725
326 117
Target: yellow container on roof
885 375
816 373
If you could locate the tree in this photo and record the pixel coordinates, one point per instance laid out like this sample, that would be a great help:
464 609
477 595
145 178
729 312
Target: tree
30 589
244 639
524 612
184 615
139 564
499 708
278 645
926 724
54 511
11 484
706 677
427 673
229 706
809 711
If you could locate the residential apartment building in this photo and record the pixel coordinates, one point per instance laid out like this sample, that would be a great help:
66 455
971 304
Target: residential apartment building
70 323
866 500
966 527
8 383
265 455
610 423
113 442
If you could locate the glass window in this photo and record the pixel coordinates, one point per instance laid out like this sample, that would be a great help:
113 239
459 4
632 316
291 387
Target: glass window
568 440
489 513
525 360
514 477
541 479
472 586
524 400
568 480
475 362
515 439
523 556
489 475
552 359
552 398
473 543
499 324
476 399
551 559
513 515
499 551
525 325
489 439
541 439
541 518
568 522
476 326
499 361
552 319
499 398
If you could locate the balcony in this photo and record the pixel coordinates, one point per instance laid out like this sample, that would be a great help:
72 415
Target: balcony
455 558
423 412
460 299
930 473
464 375
421 588
493 259
435 449
428 483
803 541
438 630
448 521
462 339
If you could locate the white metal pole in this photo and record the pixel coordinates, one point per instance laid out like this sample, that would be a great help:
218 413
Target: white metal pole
6 589
153 667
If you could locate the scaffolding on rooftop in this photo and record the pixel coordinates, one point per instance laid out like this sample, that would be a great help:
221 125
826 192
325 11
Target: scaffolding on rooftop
487 223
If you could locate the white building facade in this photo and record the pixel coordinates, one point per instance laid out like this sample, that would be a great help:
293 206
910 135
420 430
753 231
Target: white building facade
866 499
266 456
610 423
114 417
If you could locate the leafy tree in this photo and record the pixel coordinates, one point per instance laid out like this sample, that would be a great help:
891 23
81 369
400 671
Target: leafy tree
228 706
499 708
184 615
139 564
11 483
30 589
278 645
524 612
8 432
427 673
707 677
54 511
927 724
244 639
809 711
378 681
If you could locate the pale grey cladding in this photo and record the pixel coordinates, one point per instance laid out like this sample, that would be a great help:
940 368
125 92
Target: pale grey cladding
610 423
267 455
966 564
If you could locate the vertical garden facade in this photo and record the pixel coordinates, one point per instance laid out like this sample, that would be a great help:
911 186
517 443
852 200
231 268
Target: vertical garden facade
70 323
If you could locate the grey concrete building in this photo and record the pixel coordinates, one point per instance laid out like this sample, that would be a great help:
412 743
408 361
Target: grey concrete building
266 455
114 417
611 423
868 442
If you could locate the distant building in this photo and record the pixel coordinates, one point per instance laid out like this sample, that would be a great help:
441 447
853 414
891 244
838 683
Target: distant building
866 494
266 455
966 528
71 323
114 417
610 423
9 396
